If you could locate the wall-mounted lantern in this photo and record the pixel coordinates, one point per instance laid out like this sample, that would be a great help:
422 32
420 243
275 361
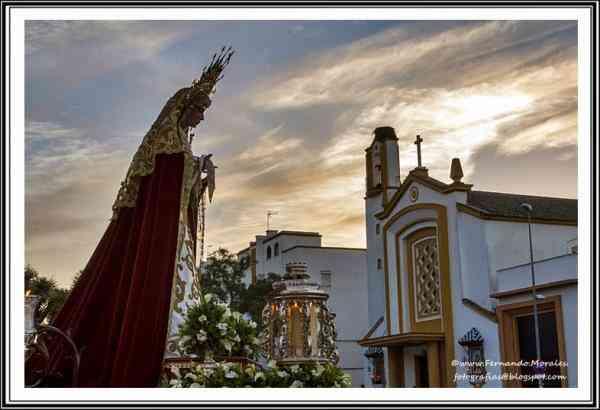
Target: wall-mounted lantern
376 365
472 343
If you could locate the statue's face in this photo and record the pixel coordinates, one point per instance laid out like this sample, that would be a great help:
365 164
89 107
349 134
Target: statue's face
194 113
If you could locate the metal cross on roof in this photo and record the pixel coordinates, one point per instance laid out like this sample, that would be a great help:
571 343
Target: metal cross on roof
418 142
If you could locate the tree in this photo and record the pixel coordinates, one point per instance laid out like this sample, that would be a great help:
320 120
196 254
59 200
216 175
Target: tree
255 296
51 296
222 276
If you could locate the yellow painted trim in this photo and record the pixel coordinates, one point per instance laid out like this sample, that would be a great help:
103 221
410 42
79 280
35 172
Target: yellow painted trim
445 282
428 182
398 270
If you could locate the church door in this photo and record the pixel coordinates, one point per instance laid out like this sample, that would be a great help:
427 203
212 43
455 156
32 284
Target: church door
421 371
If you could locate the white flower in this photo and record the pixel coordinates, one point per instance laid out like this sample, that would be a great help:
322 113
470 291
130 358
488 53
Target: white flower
237 338
295 368
227 312
202 318
282 373
222 327
227 345
297 383
318 370
208 372
208 297
231 375
237 315
252 324
259 375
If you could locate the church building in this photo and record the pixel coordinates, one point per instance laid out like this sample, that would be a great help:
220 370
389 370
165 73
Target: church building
450 285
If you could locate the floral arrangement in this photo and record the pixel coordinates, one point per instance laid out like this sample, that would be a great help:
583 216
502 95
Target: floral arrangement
224 374
212 330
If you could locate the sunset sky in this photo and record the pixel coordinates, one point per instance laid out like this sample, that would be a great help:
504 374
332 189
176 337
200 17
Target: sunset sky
291 119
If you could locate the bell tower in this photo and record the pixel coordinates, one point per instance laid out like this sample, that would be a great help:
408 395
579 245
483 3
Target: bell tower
383 165
382 181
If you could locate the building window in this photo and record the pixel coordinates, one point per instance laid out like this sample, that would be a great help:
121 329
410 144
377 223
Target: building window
378 263
517 336
377 229
325 279
424 274
268 252
276 250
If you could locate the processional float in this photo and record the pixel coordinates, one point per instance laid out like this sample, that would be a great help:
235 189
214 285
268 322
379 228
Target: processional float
121 319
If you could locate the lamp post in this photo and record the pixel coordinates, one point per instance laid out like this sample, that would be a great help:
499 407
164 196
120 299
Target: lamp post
529 209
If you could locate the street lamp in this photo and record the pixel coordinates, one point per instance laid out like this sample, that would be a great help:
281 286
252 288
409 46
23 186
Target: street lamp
529 209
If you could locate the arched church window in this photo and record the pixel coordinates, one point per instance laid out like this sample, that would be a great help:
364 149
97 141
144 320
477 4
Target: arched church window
268 252
276 251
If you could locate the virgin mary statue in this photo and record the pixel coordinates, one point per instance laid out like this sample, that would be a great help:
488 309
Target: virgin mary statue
126 307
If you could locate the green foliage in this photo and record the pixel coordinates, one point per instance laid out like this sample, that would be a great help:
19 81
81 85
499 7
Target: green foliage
224 374
254 298
222 276
212 329
51 296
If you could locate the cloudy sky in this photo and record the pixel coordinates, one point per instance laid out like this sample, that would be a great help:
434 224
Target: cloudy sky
290 121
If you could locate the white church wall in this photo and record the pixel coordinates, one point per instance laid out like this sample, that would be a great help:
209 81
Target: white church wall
549 270
464 320
508 243
473 259
375 275
470 279
393 167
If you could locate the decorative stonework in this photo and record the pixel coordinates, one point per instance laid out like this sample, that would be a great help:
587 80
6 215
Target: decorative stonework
414 194
427 278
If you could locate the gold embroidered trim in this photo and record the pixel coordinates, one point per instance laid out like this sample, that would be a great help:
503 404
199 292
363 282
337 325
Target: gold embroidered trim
165 137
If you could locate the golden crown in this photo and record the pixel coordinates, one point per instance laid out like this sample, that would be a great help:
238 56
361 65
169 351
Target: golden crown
211 74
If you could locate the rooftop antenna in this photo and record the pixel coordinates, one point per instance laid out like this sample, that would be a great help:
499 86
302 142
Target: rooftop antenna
269 214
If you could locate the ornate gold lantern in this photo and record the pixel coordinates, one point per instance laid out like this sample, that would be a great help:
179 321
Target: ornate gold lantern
298 326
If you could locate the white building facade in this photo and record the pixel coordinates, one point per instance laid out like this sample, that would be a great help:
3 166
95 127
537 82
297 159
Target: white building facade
449 278
342 272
